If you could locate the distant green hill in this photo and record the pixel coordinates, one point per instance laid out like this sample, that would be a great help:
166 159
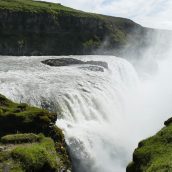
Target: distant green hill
39 28
33 6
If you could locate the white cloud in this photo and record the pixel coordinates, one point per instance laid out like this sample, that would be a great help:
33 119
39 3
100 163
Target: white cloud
152 13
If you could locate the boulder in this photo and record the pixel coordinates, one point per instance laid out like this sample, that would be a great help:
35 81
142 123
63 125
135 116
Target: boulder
95 65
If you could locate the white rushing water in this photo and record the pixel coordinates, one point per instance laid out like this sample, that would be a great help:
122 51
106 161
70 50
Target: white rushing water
103 114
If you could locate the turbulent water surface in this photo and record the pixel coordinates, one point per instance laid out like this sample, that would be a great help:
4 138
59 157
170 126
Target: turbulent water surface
103 114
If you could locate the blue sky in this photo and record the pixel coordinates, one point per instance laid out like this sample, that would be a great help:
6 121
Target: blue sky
150 13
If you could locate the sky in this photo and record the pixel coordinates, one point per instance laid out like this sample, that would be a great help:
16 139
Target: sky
149 13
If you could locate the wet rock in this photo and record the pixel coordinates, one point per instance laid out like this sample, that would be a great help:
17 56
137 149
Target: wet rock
96 65
62 62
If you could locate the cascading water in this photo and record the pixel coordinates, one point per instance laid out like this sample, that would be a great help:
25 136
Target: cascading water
101 113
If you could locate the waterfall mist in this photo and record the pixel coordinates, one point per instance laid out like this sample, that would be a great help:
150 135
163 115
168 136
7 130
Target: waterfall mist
102 114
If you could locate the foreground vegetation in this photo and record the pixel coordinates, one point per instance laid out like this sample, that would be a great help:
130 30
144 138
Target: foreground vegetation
155 153
29 139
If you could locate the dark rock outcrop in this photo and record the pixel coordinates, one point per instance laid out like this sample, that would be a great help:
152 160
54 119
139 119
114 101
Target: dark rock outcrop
95 65
62 62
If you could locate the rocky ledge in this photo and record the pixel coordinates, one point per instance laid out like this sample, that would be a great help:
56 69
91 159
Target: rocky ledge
155 153
95 65
29 140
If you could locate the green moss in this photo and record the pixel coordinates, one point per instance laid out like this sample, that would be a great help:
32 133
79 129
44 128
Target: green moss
16 118
42 7
53 8
12 166
21 149
154 153
37 156
91 44
21 138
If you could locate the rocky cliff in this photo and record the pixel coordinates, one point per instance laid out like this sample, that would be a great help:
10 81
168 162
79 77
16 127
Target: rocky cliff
39 28
30 140
155 153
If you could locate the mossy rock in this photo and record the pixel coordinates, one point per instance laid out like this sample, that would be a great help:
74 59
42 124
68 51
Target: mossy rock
36 156
16 118
20 138
154 154
30 140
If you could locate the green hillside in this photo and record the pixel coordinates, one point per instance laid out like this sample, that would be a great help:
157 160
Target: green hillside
40 28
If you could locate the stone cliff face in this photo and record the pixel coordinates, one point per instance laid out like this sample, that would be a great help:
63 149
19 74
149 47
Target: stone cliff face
53 30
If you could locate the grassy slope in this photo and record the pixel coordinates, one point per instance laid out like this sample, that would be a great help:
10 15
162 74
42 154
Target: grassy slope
23 146
40 6
26 156
53 8
31 6
155 153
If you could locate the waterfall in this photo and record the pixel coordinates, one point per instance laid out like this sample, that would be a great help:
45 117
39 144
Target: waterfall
99 112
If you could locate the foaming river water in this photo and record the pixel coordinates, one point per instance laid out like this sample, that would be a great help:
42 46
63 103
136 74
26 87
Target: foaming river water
102 114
